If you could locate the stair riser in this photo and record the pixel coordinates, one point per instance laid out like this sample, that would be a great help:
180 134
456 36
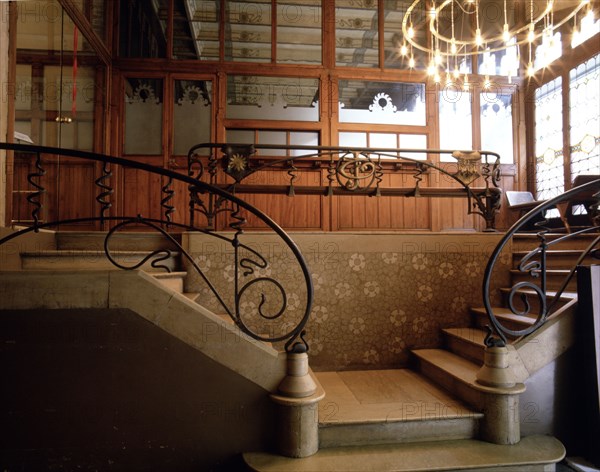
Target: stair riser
174 284
118 242
466 349
481 321
436 429
553 281
558 261
89 262
531 242
450 383
532 300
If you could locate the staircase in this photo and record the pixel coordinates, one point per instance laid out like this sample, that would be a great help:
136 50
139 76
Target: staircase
430 417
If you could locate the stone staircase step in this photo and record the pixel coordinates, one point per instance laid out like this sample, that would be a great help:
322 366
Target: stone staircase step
554 278
172 280
532 454
466 342
193 296
504 315
389 406
125 241
74 259
533 298
452 372
529 241
556 259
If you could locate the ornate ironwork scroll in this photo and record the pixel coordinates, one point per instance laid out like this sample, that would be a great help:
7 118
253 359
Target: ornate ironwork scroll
531 297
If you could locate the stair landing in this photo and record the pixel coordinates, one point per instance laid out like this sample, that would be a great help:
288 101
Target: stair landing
389 406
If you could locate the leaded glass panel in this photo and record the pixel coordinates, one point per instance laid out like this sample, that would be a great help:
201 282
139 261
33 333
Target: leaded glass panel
356 33
584 118
549 158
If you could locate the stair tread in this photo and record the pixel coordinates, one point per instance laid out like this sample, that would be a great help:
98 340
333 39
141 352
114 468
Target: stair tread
169 275
550 293
548 271
457 366
191 295
374 396
505 313
470 335
461 454
82 252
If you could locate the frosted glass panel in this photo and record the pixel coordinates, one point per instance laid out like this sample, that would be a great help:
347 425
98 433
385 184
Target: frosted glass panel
303 138
143 116
356 33
353 140
192 113
414 141
272 98
382 102
455 122
240 136
383 140
496 125
271 137
299 32
248 27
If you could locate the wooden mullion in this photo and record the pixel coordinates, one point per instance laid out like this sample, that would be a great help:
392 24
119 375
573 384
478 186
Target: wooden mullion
566 114
273 31
380 32
83 24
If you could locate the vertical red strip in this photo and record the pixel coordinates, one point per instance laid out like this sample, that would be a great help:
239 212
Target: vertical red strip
74 97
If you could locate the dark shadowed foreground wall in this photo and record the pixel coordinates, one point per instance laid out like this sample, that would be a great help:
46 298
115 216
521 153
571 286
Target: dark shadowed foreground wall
107 390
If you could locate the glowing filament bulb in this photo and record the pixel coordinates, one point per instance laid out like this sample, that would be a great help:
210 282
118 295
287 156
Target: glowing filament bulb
432 13
411 62
438 57
431 69
487 83
453 48
530 69
411 31
506 33
404 50
448 79
456 73
436 78
531 34
478 38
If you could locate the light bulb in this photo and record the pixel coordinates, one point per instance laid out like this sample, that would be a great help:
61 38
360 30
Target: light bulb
478 38
436 78
411 62
432 13
531 34
411 31
438 57
453 48
530 70
506 33
486 83
403 50
456 73
431 69
448 80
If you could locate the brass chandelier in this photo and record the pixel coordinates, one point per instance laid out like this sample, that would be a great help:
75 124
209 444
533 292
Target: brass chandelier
449 43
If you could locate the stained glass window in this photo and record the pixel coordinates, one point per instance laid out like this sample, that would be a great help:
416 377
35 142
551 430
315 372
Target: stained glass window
584 118
549 140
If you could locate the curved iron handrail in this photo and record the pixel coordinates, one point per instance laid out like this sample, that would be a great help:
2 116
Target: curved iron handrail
294 337
497 332
356 169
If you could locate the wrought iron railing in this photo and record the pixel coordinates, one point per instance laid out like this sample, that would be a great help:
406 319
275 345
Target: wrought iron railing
350 171
247 260
531 297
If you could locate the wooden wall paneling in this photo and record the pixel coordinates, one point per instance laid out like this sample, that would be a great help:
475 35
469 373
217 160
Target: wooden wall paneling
140 192
76 192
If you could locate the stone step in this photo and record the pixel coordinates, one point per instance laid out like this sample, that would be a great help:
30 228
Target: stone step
506 317
68 259
452 372
466 342
532 454
122 240
529 241
389 406
556 259
193 296
533 298
554 279
172 280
